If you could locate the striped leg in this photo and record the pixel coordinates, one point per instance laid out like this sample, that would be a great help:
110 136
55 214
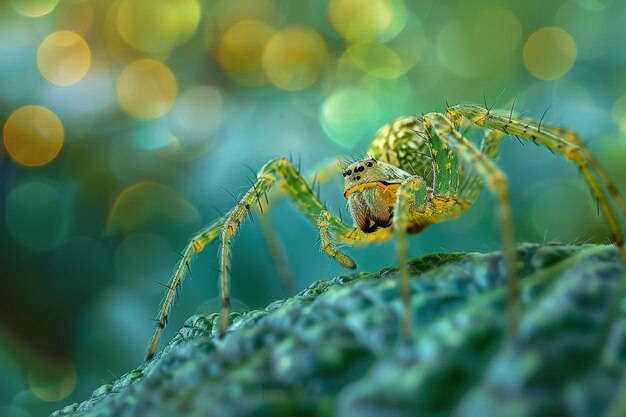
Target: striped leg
319 174
575 152
474 182
204 237
226 227
439 125
417 205
574 138
329 225
411 202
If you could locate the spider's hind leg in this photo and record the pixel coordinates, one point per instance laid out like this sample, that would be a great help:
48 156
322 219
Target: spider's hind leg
573 137
572 148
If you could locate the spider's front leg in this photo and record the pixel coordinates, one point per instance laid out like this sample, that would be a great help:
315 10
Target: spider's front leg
294 185
418 205
412 203
329 225
438 125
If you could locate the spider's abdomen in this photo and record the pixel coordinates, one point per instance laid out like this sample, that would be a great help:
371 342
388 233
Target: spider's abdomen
399 143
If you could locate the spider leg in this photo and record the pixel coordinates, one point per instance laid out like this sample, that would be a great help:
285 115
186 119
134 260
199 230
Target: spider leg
417 205
204 237
573 137
300 192
437 124
474 182
411 203
328 222
445 166
573 151
318 174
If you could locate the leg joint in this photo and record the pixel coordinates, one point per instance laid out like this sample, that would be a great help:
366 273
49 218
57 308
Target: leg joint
497 181
324 219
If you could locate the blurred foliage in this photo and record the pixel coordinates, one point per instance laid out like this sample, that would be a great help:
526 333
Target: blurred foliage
123 122
333 349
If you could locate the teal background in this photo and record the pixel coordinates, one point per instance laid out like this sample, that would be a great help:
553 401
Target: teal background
77 274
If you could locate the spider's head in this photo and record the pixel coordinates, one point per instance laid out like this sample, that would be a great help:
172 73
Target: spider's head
370 188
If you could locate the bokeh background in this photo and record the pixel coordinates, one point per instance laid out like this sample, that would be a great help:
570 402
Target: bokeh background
125 122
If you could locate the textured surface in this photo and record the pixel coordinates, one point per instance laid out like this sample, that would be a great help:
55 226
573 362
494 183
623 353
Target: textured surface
334 349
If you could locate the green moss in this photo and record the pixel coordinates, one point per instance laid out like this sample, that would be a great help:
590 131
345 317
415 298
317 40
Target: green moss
335 348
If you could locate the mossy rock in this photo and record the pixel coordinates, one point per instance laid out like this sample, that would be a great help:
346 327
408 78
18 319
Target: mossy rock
335 348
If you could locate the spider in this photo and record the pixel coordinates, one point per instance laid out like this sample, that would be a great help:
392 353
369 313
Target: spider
410 179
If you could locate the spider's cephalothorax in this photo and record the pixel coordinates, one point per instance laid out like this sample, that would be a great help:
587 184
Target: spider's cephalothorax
413 177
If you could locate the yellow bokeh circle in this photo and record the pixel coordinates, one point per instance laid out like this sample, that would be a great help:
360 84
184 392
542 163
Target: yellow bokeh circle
359 21
53 382
63 58
549 53
34 8
376 60
157 26
146 89
146 206
33 135
294 57
241 52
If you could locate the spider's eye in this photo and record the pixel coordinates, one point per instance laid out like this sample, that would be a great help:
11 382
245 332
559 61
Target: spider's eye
344 173
369 164
348 172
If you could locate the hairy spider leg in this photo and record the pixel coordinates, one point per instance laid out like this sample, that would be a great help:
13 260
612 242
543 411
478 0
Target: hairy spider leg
470 190
304 198
329 222
575 152
411 202
204 237
437 124
418 205
575 138
445 166
405 144
319 174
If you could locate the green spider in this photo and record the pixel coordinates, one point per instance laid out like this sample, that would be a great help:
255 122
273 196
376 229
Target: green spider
410 179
